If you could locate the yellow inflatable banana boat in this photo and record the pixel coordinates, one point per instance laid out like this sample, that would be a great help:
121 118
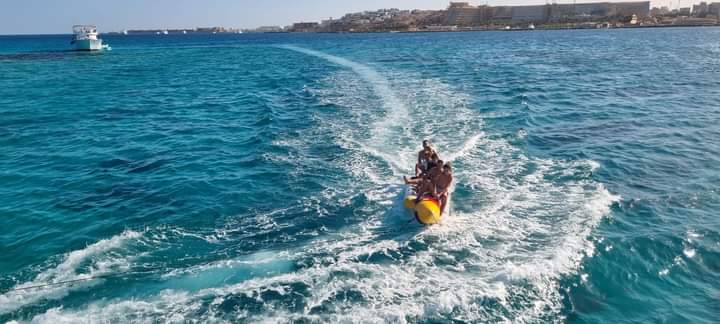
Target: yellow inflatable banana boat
427 210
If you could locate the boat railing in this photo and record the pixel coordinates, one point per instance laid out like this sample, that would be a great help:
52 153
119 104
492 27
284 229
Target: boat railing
84 29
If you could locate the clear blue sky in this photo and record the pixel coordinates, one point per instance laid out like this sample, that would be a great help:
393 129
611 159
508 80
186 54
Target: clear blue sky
58 16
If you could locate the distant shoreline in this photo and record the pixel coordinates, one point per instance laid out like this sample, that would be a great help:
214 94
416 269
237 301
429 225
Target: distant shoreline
383 31
441 31
493 30
459 30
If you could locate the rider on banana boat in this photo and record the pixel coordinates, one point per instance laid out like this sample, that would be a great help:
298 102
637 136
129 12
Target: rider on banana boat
442 182
435 183
424 157
435 167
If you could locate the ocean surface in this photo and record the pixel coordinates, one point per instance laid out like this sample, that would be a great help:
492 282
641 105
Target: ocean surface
257 178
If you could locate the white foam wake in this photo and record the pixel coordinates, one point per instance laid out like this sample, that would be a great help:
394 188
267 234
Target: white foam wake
466 147
388 127
521 228
521 223
96 254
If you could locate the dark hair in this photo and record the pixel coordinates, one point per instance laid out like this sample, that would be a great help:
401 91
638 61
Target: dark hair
426 142
447 166
440 161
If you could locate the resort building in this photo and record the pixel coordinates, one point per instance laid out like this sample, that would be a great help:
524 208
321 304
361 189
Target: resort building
464 14
305 27
268 29
714 9
704 9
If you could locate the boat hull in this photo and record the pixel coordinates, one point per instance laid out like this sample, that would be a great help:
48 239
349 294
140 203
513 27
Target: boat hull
88 45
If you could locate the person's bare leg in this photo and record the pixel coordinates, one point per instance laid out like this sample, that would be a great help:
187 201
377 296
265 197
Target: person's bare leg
443 203
424 188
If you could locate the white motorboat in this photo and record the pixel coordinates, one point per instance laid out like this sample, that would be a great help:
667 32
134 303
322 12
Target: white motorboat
85 38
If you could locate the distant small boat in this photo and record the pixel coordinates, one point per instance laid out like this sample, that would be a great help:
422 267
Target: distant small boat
184 32
165 32
125 32
531 26
85 38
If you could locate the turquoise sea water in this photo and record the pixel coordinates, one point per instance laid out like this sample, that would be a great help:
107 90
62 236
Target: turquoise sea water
226 178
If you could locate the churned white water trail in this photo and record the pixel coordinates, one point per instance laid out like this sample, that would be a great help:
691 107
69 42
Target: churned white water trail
392 124
101 264
466 147
521 223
